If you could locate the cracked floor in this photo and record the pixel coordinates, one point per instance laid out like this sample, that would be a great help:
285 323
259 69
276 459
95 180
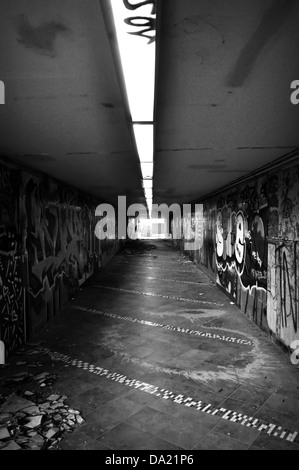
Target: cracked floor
154 356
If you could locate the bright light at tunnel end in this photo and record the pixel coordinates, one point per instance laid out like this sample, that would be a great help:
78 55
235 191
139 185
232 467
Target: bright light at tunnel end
135 24
186 225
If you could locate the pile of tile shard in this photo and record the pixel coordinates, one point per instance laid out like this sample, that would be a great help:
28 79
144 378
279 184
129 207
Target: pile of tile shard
43 379
30 421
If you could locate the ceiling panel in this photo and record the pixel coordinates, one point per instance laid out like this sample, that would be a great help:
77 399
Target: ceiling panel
223 97
64 112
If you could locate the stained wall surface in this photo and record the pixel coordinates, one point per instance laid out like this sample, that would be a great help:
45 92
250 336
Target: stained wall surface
248 242
47 250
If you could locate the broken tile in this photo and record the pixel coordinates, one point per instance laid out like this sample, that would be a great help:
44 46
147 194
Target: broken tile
57 417
53 397
15 403
79 419
4 433
5 418
20 374
51 432
55 406
41 376
12 445
33 421
44 406
36 426
31 410
38 439
22 439
32 446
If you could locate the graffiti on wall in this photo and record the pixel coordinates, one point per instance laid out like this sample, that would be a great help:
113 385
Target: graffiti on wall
256 251
283 255
58 245
47 250
241 248
12 328
288 205
251 247
207 254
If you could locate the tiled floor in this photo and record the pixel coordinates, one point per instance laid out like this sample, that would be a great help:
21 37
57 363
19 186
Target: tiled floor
156 357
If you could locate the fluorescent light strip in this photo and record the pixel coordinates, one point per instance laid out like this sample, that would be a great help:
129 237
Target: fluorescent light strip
147 184
144 137
138 60
147 170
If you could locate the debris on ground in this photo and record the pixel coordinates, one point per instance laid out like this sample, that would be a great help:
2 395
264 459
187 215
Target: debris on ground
137 248
45 378
37 423
32 415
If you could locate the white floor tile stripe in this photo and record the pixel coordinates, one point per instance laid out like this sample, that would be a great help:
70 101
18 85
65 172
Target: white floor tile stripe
269 428
202 334
150 294
151 278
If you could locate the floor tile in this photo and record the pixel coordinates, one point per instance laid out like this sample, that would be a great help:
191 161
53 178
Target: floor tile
265 442
236 431
215 441
107 416
120 416
125 437
95 397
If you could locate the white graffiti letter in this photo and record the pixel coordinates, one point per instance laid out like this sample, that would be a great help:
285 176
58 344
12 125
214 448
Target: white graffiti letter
219 235
240 239
295 353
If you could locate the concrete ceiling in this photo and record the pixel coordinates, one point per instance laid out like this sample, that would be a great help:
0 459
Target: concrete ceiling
223 104
223 98
64 113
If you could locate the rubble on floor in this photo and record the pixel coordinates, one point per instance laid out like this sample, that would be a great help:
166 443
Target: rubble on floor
32 421
32 416
137 248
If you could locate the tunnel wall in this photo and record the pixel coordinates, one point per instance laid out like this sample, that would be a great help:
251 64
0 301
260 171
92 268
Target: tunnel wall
47 250
249 245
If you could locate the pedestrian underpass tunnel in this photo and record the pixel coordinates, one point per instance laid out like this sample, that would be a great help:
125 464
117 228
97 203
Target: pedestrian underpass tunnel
149 225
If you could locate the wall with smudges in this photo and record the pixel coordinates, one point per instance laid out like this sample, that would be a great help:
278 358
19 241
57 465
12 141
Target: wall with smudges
248 243
47 250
